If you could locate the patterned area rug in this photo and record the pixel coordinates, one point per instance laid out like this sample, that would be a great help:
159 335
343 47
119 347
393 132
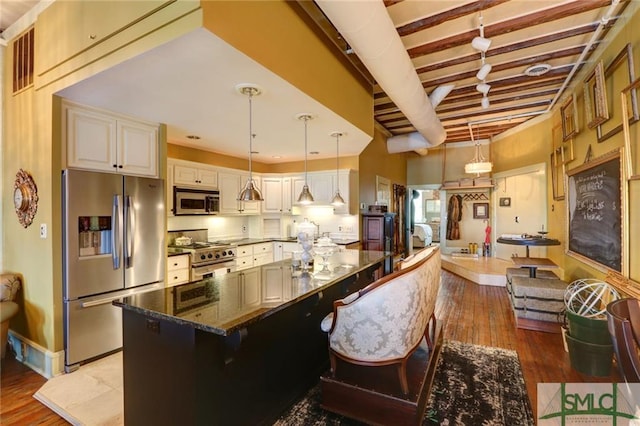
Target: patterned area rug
473 385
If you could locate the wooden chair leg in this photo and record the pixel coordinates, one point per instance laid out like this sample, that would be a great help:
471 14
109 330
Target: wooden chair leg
429 330
332 360
402 375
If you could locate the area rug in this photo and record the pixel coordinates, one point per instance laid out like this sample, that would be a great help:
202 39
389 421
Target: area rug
473 385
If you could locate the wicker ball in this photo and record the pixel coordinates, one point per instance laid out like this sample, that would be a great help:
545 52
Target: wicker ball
589 297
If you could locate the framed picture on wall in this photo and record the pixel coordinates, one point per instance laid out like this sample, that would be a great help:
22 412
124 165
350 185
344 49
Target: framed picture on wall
481 210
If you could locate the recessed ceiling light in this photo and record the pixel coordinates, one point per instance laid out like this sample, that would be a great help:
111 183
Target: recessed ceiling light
314 152
537 69
194 137
255 152
277 156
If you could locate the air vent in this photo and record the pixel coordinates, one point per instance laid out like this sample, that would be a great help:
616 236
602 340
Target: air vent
23 61
536 70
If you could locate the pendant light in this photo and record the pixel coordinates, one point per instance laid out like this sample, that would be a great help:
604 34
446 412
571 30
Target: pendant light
305 196
478 164
250 192
337 199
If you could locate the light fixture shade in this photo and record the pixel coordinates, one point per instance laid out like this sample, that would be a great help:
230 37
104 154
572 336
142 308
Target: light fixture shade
483 88
480 43
250 192
481 167
305 196
483 72
484 102
337 199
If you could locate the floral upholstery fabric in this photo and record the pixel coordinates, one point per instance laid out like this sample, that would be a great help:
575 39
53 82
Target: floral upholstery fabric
9 286
388 322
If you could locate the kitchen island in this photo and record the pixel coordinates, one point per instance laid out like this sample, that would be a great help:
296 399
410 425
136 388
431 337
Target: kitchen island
234 349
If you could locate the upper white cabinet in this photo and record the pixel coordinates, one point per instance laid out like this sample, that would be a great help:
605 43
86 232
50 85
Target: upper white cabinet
272 192
278 194
322 187
230 185
96 140
195 176
348 185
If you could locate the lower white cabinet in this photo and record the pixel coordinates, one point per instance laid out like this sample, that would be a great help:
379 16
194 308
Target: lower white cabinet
289 248
178 270
251 255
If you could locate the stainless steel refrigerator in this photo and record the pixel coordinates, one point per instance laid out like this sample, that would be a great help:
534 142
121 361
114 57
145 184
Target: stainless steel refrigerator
113 246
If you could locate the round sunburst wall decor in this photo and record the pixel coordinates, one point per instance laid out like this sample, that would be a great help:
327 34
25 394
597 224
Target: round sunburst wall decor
25 197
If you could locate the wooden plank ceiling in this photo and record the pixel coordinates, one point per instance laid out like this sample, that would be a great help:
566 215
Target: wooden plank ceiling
523 33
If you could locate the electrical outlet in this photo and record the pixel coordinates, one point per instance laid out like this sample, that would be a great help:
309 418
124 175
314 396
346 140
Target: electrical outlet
339 228
43 230
244 229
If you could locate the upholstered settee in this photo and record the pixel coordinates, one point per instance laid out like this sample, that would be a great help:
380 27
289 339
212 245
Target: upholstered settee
9 286
384 323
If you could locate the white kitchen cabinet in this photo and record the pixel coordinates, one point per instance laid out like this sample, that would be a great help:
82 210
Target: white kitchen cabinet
322 187
348 184
272 194
277 251
287 194
230 185
250 287
195 176
178 270
251 255
288 248
96 140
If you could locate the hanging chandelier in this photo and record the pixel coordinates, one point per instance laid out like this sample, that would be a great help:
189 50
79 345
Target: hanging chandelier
478 164
250 192
337 198
305 196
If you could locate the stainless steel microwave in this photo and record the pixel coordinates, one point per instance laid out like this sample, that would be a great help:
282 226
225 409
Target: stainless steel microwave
192 201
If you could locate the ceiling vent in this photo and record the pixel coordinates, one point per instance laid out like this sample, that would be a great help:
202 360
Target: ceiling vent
537 70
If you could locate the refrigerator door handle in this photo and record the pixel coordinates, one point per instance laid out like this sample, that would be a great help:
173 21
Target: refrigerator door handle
99 302
116 214
130 224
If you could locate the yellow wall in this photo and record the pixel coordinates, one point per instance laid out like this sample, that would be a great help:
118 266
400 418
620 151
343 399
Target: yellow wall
376 161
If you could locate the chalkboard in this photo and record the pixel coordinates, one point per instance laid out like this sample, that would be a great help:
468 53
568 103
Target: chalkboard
595 211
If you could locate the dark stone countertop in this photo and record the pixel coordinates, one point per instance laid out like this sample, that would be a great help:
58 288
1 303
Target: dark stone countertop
219 309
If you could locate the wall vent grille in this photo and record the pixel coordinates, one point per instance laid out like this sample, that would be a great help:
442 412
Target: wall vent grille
23 48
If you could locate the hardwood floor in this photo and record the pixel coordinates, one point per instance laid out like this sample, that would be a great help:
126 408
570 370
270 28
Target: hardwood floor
469 313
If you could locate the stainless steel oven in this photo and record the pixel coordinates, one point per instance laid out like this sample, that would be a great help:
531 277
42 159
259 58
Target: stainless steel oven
192 201
212 270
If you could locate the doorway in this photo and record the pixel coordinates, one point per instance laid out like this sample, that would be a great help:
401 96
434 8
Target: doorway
520 200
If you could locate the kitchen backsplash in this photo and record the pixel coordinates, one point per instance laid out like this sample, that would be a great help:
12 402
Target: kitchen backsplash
234 227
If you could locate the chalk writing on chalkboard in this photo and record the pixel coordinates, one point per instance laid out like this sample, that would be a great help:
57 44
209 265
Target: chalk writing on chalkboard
595 214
